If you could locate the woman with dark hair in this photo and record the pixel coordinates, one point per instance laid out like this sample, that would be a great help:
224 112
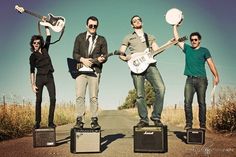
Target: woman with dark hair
41 60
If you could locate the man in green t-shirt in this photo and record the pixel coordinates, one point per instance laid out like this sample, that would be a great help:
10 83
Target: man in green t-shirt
195 58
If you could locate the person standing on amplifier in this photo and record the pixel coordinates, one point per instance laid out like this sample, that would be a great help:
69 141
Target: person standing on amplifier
138 41
90 50
196 82
41 60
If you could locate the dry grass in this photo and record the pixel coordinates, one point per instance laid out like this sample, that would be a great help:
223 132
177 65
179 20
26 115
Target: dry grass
15 120
174 116
222 117
18 120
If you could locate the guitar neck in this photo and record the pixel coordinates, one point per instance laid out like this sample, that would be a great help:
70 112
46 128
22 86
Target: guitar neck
33 14
162 48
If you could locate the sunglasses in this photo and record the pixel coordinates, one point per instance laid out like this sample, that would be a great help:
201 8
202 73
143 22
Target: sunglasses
93 26
194 39
36 43
135 20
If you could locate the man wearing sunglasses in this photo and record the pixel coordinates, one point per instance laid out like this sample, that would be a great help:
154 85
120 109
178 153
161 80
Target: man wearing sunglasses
138 41
40 60
196 82
90 50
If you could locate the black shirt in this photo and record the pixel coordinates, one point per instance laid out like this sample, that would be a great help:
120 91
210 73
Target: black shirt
41 61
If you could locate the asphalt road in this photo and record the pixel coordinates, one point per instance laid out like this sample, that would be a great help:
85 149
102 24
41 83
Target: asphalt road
117 141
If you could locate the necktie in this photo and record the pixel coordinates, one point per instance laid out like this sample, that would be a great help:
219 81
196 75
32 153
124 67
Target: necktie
88 37
90 44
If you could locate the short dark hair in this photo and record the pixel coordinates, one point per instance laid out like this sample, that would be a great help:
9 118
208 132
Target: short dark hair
92 18
196 34
131 21
36 37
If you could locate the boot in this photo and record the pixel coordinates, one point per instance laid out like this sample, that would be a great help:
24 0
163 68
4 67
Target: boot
79 124
94 123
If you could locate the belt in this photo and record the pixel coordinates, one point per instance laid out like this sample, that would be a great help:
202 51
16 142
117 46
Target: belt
196 76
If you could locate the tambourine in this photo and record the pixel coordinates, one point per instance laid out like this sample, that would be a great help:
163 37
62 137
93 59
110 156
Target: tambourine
174 16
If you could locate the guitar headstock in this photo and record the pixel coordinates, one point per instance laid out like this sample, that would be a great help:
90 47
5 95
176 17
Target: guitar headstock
19 9
182 39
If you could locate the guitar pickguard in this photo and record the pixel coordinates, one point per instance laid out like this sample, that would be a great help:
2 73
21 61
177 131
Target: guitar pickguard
56 23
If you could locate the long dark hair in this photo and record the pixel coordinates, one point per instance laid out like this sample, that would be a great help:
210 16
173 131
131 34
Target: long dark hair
36 37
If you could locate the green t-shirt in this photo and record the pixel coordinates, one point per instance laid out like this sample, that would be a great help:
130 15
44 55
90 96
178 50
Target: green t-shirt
195 61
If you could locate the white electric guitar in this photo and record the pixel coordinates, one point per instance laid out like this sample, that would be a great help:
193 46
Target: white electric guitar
56 23
140 61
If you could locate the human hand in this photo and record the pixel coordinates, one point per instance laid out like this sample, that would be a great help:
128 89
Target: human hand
125 57
34 88
44 18
101 59
86 61
216 80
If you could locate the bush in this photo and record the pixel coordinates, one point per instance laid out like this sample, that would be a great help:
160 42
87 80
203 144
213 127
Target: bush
131 98
222 117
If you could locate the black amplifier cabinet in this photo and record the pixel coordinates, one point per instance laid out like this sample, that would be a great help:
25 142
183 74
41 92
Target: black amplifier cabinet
85 140
44 137
195 136
150 139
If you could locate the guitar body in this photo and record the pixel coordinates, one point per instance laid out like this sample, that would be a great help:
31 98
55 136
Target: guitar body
76 68
139 62
56 23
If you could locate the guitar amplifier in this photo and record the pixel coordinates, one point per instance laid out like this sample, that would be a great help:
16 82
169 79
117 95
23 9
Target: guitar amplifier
195 136
44 137
85 140
150 139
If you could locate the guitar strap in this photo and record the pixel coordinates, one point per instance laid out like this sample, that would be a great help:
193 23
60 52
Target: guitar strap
62 32
146 39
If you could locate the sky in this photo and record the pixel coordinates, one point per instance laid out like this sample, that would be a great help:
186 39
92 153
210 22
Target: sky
214 19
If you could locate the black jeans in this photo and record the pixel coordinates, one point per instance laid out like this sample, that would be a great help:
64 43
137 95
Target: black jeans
198 85
48 81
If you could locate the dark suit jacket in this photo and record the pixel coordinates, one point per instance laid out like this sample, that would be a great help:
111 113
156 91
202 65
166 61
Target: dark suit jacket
81 50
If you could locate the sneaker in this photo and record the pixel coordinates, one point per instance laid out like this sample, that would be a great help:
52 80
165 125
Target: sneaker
157 122
79 124
142 124
188 126
51 125
37 125
94 124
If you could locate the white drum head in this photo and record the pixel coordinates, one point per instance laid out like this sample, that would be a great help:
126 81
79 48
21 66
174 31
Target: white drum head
174 16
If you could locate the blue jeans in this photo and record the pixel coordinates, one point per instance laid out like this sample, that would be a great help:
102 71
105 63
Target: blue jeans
198 85
154 77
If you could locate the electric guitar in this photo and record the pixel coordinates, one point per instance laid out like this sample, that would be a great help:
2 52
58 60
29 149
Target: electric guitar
76 68
140 61
56 23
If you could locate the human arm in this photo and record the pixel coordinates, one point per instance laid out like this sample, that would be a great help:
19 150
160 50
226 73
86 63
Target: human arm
47 30
122 55
102 52
32 80
213 70
158 50
176 36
